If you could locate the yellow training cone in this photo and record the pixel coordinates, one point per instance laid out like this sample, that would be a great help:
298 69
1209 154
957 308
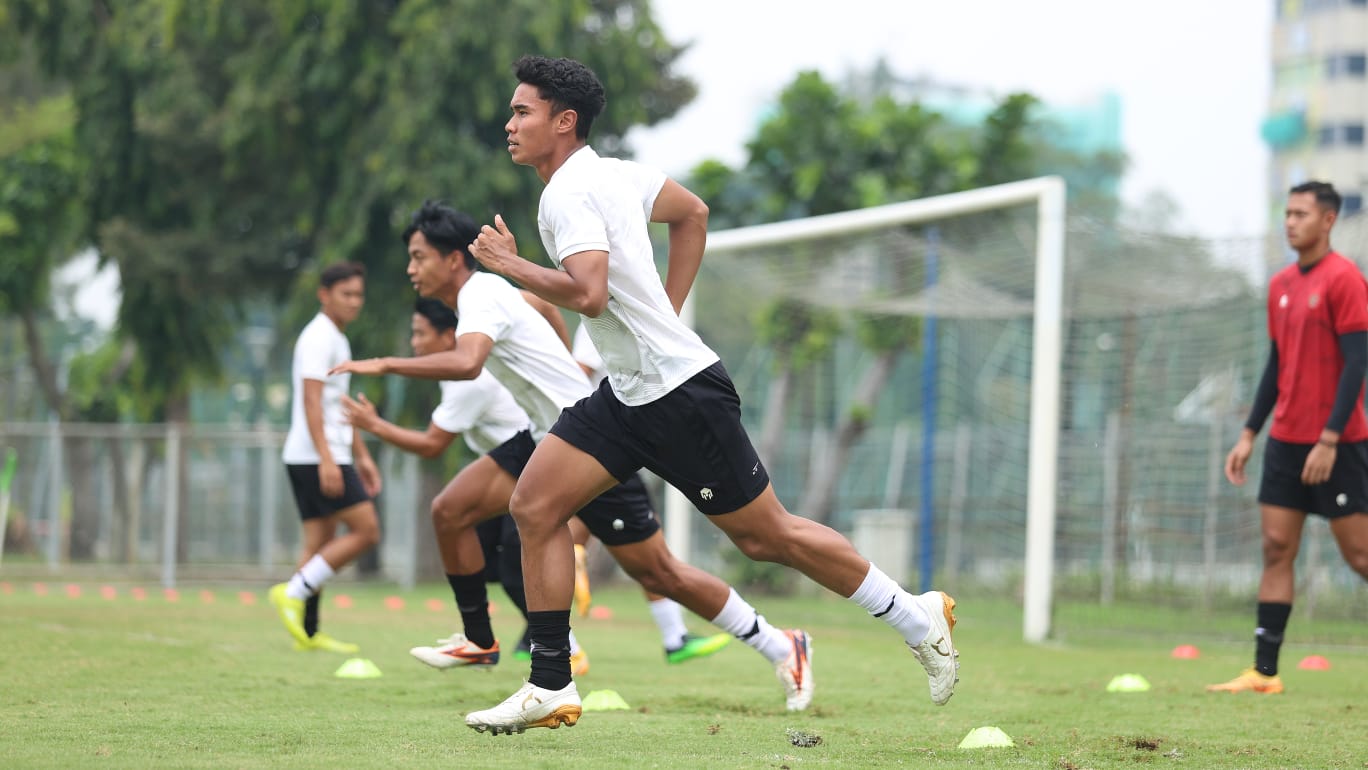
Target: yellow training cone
604 700
1128 683
985 738
357 668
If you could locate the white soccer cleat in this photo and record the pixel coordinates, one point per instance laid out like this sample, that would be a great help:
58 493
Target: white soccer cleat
530 706
795 671
936 652
457 650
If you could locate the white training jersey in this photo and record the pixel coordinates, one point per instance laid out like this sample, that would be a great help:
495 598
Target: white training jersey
481 410
528 356
320 347
582 348
604 204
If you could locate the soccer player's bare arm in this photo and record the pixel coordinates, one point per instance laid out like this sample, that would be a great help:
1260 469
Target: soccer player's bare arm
582 288
361 413
687 217
329 476
464 363
365 464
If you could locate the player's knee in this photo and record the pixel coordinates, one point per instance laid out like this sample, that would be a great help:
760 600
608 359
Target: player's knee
1277 551
1358 562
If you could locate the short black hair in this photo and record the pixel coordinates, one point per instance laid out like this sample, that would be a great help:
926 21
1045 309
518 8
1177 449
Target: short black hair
1325 193
438 314
339 272
567 84
445 228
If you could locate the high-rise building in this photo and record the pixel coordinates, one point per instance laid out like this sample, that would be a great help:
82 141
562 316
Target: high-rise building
1319 106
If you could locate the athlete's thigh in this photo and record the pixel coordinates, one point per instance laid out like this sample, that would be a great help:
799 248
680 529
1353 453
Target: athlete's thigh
481 486
561 478
316 533
1351 533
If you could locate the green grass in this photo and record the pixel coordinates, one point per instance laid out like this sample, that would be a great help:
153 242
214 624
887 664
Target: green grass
89 682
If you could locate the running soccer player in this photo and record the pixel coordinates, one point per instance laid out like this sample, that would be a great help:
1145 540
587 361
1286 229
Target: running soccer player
668 404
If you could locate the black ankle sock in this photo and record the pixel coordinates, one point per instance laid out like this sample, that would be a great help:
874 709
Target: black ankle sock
473 601
1268 637
311 613
550 632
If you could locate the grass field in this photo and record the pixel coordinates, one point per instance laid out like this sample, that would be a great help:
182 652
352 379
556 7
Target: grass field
210 682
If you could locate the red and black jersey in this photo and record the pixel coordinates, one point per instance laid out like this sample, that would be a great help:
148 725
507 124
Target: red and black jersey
1307 312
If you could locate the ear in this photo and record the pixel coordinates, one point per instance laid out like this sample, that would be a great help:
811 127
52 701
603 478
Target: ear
322 294
566 120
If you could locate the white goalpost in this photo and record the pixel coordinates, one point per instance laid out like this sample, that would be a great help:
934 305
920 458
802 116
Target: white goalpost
1047 194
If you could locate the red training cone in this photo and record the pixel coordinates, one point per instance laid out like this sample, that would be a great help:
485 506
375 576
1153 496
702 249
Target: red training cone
1314 663
1186 652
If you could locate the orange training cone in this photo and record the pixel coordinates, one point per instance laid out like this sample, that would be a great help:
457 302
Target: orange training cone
1314 663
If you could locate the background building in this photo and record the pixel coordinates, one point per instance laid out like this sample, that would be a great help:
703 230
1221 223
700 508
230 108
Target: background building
1319 103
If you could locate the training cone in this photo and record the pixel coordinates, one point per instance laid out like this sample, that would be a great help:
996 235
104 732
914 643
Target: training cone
599 612
1186 652
1314 663
985 738
604 700
357 668
1128 683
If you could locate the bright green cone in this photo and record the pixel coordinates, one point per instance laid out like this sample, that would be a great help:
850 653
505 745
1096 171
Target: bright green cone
1128 683
985 738
357 668
604 700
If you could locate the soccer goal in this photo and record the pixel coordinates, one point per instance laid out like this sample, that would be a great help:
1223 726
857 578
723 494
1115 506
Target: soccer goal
850 336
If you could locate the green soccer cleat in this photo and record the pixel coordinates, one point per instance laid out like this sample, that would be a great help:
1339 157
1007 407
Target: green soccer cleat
697 647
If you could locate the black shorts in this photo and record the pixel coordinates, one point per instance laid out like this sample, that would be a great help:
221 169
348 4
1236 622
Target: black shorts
310 499
692 437
620 516
1346 492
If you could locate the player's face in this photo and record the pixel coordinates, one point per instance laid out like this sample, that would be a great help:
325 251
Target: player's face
428 270
423 337
1306 221
343 300
531 129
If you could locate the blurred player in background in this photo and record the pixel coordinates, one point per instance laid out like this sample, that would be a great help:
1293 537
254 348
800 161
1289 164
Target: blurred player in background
331 472
1316 460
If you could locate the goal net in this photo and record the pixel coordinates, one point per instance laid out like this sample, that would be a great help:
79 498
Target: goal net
987 395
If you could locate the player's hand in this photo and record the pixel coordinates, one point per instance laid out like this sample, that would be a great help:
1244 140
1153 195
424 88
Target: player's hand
1237 458
369 366
1319 462
369 473
360 412
495 247
330 479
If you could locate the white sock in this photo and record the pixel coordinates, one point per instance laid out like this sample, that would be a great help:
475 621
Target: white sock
741 620
669 617
887 601
310 578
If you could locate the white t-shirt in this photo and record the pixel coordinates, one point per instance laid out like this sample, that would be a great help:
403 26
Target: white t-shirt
481 410
528 357
597 204
320 347
582 348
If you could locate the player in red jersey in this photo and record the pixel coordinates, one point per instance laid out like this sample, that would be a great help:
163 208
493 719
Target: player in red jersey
1316 460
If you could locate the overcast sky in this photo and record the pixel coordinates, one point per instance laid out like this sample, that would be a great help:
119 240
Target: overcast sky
1193 76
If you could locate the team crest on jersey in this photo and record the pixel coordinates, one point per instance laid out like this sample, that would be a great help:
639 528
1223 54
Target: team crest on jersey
1282 301
1313 300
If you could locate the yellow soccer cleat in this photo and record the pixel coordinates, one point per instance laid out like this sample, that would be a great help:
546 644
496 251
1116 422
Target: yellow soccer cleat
291 612
321 641
579 663
1250 680
582 596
